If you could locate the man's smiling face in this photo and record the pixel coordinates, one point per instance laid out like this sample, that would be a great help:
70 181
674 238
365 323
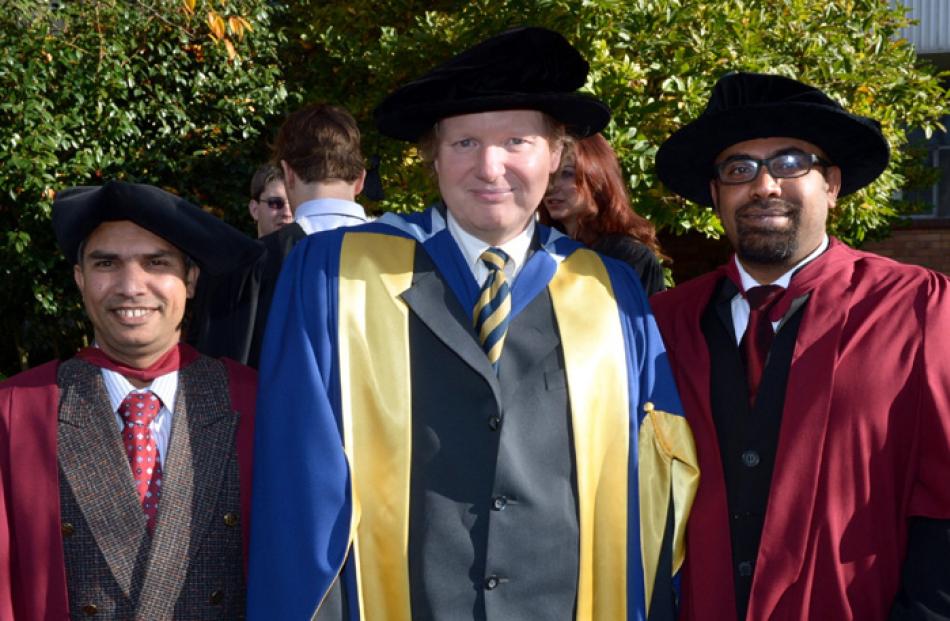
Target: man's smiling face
771 221
493 170
134 286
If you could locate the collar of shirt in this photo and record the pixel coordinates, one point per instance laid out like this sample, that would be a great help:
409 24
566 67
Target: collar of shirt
739 305
321 214
165 387
472 248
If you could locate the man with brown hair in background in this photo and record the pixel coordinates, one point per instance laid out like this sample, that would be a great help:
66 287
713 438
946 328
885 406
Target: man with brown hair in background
318 150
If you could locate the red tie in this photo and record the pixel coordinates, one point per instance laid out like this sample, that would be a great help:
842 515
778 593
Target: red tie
758 336
138 409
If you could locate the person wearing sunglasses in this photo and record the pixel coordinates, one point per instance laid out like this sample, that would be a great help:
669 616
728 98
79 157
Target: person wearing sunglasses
269 205
815 376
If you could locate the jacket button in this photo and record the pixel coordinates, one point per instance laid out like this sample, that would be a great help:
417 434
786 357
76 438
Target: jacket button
498 503
216 597
750 459
230 519
745 568
90 610
67 529
491 583
494 423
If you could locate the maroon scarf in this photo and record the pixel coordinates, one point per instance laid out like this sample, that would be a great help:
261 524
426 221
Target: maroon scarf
176 358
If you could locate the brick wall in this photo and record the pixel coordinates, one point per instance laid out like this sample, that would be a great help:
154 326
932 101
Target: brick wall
924 243
693 254
921 242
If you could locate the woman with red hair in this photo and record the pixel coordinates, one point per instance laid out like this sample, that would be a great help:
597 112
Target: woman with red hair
587 200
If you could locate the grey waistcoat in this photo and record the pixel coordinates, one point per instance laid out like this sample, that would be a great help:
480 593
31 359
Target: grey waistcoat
192 566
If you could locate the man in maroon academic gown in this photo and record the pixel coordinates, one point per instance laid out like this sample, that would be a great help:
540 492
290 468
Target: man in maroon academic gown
126 469
821 407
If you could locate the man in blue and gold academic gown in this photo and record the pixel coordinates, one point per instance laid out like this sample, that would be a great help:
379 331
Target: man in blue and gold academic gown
404 468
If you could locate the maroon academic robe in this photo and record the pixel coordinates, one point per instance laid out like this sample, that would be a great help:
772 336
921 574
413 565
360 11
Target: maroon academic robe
864 442
32 569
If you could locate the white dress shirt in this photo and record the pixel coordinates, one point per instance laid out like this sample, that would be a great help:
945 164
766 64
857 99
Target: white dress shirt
164 387
325 214
740 306
472 248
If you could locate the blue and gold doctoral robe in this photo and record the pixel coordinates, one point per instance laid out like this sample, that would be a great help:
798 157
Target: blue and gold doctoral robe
335 430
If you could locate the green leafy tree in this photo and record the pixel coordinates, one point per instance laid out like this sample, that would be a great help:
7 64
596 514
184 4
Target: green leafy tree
653 61
173 93
179 93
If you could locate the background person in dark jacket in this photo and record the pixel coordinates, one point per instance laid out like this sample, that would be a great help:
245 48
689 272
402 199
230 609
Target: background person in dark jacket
318 151
587 199
269 205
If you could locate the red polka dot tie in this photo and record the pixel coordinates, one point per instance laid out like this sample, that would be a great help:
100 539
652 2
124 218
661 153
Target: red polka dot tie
138 409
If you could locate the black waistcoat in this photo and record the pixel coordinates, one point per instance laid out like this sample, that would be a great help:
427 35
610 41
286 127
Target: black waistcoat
493 531
748 437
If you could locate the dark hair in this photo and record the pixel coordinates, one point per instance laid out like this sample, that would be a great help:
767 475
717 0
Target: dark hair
265 175
599 183
320 142
187 260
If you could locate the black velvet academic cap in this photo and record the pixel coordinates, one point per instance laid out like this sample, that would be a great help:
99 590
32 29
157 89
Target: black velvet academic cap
214 245
520 69
747 106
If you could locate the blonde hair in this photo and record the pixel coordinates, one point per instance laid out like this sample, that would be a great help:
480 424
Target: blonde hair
554 131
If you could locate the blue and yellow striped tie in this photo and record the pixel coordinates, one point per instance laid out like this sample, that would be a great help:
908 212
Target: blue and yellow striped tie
493 308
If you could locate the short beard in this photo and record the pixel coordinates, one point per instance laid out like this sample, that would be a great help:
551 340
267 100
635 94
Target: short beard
767 246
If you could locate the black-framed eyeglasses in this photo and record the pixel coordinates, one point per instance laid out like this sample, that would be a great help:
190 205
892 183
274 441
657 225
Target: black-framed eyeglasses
274 202
736 170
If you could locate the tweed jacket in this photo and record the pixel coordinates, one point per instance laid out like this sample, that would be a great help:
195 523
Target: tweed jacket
192 566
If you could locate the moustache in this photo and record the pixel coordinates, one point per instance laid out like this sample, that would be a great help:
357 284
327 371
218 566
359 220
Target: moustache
771 206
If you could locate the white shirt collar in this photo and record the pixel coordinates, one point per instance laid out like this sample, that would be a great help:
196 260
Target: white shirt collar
516 248
329 206
782 281
164 387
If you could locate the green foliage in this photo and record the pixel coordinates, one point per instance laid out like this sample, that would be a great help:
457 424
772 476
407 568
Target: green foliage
162 92
653 61
179 92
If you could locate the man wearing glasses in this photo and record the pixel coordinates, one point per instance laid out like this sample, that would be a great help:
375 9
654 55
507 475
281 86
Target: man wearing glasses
269 205
815 377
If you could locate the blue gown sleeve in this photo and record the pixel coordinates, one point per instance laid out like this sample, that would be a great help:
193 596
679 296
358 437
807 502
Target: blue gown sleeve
301 505
650 380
